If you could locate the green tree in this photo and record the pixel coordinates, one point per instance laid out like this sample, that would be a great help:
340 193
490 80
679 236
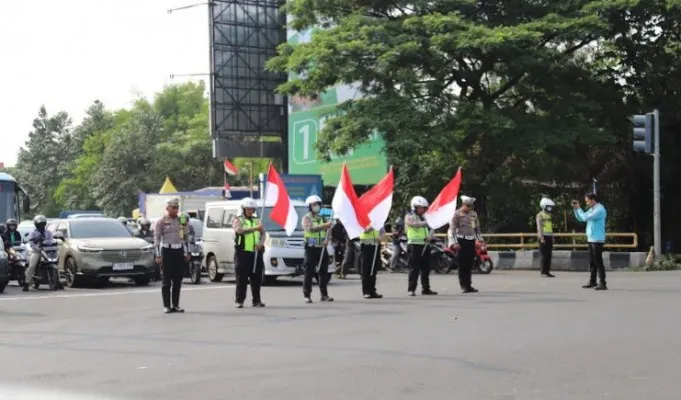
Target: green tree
505 89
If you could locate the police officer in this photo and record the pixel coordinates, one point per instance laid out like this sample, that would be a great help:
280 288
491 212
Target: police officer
172 254
316 240
249 246
144 231
397 233
464 231
370 242
545 235
419 237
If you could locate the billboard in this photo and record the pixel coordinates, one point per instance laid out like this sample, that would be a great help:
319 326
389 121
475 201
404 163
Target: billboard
367 163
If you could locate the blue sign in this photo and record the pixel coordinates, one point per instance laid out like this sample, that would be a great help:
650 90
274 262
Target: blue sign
299 187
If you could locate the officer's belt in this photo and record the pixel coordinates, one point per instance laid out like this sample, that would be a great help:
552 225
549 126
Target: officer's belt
369 241
465 237
172 246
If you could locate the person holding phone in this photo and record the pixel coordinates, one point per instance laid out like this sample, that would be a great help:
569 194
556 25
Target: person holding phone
595 218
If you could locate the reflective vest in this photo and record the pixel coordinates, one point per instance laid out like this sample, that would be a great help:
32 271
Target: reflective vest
247 241
547 223
417 235
370 237
315 238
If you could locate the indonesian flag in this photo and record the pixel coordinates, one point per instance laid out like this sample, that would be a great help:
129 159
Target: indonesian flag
442 210
283 212
347 208
379 200
230 169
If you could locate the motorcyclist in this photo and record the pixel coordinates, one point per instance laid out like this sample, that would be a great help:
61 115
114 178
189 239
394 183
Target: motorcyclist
11 237
397 233
36 239
144 231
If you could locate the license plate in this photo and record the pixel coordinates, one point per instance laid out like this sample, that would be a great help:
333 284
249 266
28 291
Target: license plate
123 266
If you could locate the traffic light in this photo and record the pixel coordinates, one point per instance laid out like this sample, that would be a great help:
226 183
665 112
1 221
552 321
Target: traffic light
643 133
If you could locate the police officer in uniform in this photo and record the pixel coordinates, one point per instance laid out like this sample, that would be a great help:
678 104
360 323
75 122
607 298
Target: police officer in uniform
419 237
249 244
172 254
370 248
545 235
316 234
464 231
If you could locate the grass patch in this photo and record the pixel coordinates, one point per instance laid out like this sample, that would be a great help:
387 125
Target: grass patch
669 262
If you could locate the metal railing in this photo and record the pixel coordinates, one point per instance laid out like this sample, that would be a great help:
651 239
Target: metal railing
575 241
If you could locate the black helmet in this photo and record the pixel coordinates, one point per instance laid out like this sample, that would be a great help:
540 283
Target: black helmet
399 222
40 222
11 223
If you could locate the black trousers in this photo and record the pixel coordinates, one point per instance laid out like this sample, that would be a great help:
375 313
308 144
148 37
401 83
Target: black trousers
371 261
466 260
546 251
312 260
419 264
244 274
597 268
349 257
173 264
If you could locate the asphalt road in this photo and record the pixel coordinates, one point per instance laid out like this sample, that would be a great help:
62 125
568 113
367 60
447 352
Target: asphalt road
521 337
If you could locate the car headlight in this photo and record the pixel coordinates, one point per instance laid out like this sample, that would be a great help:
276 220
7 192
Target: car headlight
275 242
84 249
147 249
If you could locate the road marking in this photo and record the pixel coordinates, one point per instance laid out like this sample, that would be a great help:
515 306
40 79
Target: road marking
144 291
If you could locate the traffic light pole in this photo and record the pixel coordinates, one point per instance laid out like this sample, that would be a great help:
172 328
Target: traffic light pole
657 223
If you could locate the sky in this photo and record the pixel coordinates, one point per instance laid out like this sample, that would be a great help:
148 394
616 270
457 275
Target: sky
66 54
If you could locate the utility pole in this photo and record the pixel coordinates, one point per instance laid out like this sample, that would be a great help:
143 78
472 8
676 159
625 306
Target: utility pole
657 221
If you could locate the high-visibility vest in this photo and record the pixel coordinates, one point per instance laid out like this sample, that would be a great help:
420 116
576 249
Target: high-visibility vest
247 241
315 238
417 235
369 237
547 223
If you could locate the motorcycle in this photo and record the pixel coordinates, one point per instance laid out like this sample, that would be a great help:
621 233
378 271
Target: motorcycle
483 262
47 272
442 259
17 264
194 264
402 264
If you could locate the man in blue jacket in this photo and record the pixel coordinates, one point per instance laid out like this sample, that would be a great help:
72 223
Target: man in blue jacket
595 218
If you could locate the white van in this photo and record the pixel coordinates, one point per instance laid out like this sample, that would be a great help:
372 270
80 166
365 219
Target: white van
283 255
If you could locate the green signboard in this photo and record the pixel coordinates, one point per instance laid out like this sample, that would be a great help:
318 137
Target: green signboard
367 163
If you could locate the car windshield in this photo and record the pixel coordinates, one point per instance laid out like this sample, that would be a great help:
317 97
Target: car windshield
88 228
272 226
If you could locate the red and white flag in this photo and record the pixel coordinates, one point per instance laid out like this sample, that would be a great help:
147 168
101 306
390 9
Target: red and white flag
347 208
283 212
442 210
379 200
230 169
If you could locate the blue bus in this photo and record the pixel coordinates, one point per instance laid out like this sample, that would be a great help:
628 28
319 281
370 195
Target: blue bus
13 199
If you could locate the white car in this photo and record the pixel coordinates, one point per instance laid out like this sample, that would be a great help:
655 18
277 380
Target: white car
283 255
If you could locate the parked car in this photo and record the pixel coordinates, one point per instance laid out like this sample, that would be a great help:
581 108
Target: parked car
96 249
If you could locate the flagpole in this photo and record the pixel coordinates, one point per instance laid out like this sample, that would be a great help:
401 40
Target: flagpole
263 196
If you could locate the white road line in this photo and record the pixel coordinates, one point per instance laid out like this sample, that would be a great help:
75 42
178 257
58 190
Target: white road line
145 291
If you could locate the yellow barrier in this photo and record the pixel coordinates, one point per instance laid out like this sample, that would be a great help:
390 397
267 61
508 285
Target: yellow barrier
578 240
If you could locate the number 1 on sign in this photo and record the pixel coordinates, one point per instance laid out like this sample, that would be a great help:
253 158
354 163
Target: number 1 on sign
305 131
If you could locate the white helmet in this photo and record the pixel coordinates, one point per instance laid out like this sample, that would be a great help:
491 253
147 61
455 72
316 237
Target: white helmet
312 199
248 202
546 202
418 201
467 200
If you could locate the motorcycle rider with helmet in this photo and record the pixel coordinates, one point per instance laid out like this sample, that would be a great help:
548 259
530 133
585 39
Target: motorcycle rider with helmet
419 237
397 233
11 237
249 243
545 235
35 239
144 231
316 233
